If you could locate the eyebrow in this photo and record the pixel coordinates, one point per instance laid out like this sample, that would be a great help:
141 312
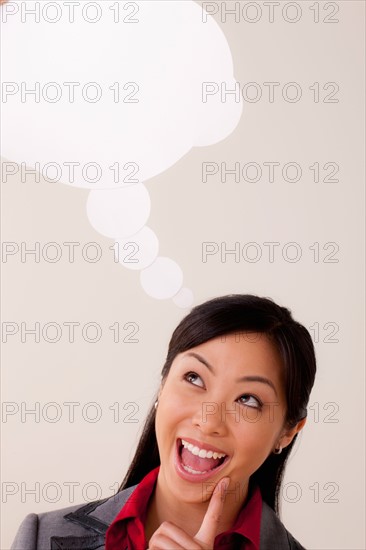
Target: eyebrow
250 378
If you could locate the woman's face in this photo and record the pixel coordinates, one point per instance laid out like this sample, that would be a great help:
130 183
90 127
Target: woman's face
225 395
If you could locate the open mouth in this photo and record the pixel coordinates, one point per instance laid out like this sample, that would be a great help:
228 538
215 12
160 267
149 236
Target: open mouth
197 461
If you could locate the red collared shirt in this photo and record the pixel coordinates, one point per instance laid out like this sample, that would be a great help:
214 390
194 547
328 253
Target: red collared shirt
127 529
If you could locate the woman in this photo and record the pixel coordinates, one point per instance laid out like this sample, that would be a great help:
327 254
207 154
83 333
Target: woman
208 469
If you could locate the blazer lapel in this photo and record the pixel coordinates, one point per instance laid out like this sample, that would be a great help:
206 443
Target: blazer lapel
87 542
94 521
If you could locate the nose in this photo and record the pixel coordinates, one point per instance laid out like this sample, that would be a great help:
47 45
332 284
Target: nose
209 419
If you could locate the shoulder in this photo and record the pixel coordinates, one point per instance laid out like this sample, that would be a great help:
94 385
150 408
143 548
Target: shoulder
83 527
77 527
273 534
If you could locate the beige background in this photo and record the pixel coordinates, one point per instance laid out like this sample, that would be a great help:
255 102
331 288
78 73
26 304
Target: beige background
185 213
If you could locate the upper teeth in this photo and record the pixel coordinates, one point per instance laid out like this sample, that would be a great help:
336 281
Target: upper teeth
202 453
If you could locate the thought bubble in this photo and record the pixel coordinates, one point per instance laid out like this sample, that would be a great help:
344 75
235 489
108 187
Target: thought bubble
113 99
119 212
139 250
162 279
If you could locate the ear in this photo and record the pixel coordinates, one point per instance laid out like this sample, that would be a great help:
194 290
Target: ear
288 434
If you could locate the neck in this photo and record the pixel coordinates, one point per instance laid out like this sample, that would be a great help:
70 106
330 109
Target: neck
165 506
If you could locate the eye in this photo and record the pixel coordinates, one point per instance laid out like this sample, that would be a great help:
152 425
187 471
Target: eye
192 378
250 401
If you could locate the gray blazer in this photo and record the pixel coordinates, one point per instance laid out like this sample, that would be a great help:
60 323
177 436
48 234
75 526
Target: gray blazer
84 527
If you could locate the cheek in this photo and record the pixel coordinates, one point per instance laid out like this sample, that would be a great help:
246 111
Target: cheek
170 412
254 444
257 438
171 405
268 418
175 402
256 434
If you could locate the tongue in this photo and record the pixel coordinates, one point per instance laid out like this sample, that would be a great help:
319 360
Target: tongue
197 463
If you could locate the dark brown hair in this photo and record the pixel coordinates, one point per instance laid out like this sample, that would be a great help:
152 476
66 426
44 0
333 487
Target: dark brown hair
241 313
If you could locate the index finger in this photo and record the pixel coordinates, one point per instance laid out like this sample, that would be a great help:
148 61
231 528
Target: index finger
207 532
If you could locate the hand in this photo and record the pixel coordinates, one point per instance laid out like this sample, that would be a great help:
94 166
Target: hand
170 537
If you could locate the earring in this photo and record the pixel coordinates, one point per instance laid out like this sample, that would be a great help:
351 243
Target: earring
156 404
278 450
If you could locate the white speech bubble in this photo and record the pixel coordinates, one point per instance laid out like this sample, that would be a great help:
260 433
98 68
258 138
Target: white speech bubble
108 95
119 212
137 251
184 298
163 61
162 279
